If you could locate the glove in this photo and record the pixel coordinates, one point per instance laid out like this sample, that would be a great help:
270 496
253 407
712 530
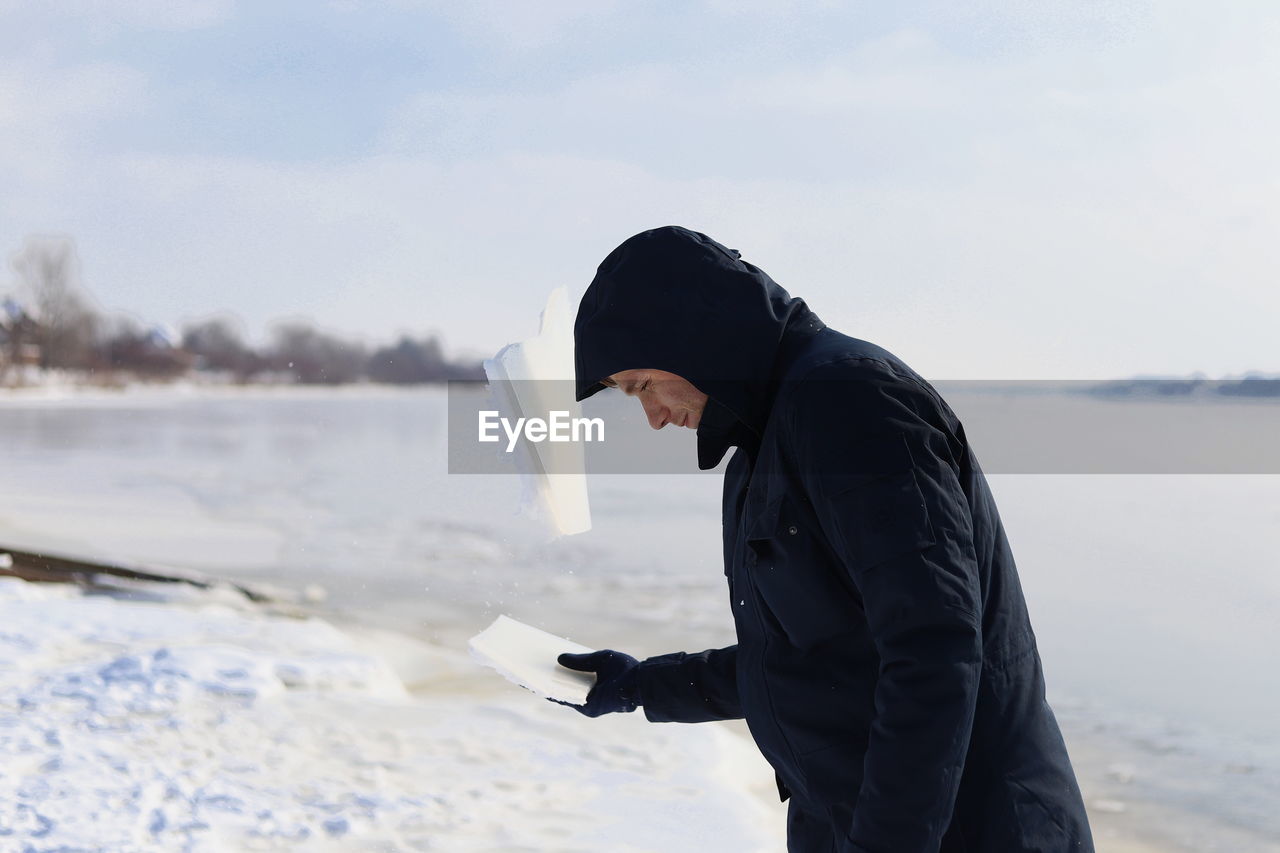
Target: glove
617 687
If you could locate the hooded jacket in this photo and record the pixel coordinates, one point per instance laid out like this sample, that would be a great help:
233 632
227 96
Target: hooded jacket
885 662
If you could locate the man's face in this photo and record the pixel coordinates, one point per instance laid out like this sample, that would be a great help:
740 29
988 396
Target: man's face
667 398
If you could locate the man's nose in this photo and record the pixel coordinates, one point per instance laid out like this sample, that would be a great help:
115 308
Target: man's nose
656 415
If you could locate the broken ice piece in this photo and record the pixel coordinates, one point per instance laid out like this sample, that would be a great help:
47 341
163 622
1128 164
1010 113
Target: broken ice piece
527 656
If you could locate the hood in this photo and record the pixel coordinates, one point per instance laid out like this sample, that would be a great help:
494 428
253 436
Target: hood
675 300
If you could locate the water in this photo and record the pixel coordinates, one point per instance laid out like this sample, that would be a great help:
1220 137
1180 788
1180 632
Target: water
1154 598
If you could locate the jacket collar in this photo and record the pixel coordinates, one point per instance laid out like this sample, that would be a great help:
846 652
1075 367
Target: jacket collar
720 428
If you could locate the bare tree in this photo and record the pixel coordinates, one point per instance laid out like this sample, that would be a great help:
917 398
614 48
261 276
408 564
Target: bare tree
48 269
314 357
218 345
409 361
127 345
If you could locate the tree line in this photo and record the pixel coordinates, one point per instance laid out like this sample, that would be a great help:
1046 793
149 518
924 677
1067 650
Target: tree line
55 326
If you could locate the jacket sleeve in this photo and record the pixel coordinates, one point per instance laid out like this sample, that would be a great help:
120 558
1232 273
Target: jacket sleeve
685 688
876 460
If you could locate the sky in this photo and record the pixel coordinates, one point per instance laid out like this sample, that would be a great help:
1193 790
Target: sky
989 189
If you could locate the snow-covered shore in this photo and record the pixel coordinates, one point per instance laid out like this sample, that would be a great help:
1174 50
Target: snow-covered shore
198 722
170 718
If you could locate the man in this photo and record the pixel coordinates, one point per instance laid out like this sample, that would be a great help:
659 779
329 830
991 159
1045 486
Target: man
885 662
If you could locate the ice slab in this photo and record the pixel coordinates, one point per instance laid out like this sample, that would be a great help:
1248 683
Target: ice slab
527 656
531 379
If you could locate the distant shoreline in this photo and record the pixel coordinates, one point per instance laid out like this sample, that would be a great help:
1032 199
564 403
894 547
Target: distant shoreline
95 382
160 392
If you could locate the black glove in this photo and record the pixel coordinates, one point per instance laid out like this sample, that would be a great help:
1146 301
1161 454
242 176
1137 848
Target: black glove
617 687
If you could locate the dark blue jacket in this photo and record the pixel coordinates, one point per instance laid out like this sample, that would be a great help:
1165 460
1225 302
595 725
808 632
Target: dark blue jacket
885 662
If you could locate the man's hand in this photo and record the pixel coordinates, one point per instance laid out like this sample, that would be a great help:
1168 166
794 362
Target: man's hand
617 688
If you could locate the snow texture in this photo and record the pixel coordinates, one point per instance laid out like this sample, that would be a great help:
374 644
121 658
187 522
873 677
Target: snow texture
202 724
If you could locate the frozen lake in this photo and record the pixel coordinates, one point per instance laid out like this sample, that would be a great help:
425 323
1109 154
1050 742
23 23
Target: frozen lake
1154 597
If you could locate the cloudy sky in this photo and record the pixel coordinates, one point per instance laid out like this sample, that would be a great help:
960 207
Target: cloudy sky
990 189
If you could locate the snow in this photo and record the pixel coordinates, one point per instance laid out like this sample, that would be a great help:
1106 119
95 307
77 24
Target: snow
202 723
527 656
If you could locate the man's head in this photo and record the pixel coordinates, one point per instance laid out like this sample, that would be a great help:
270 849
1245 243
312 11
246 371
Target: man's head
666 397
695 312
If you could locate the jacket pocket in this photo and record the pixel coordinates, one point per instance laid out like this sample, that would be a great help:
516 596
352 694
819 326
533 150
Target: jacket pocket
833 773
880 519
798 579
